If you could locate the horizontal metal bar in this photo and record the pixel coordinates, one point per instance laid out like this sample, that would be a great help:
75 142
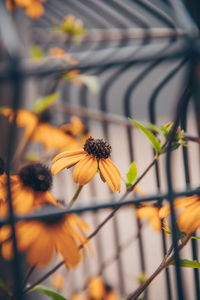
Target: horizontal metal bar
115 34
50 67
96 115
58 212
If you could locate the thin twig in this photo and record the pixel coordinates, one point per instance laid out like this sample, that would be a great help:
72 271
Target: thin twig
165 263
44 277
30 271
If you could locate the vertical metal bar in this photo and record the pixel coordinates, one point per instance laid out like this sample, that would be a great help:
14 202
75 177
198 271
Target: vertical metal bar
16 84
183 117
180 290
152 117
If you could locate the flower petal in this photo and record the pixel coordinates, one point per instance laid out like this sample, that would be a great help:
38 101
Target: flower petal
85 170
27 233
54 138
7 250
110 173
41 252
69 153
67 247
23 200
179 203
146 212
188 220
66 162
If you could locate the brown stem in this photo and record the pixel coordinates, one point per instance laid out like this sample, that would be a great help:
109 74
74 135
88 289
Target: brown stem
165 263
44 277
30 271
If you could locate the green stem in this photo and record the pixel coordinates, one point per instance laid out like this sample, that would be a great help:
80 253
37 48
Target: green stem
75 196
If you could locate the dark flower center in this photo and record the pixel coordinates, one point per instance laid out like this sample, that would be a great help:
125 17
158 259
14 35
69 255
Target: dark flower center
2 166
108 288
44 116
36 176
98 148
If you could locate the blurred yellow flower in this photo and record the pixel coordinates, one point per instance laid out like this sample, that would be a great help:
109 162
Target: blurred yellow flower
57 280
33 8
30 189
152 214
111 295
96 288
189 219
59 53
41 239
76 129
38 130
78 297
90 159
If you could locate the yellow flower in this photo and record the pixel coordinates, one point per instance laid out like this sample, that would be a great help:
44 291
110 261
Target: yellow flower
189 219
24 118
110 294
57 280
41 239
76 129
33 8
152 214
96 288
59 53
147 211
93 157
54 138
11 4
38 130
78 297
30 189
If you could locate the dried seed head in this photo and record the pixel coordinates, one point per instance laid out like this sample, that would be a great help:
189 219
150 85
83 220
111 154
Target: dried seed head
97 147
36 176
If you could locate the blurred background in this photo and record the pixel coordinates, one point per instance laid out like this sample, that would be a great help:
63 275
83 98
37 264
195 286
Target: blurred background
138 59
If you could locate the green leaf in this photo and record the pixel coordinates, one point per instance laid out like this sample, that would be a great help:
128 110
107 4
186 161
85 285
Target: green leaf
154 128
49 292
164 130
37 52
150 135
132 174
188 263
42 103
195 237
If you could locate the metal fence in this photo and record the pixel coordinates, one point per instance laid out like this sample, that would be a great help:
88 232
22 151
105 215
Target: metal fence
146 56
